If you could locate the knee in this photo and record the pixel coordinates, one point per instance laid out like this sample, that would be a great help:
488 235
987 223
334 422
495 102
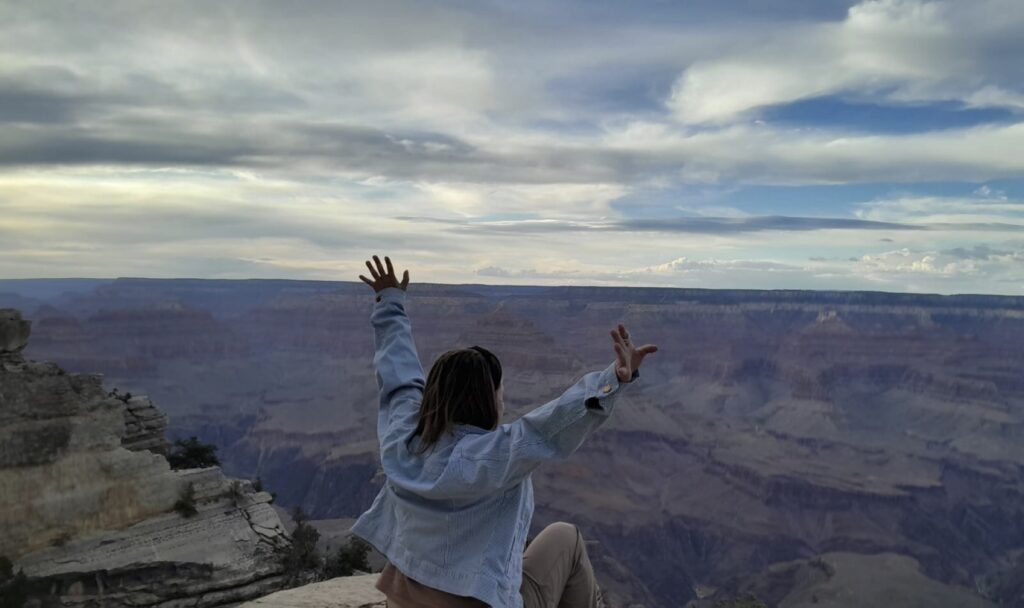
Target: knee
563 529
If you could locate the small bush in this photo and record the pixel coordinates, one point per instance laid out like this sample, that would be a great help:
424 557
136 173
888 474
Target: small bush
745 600
192 454
186 504
348 559
124 398
258 486
300 559
15 589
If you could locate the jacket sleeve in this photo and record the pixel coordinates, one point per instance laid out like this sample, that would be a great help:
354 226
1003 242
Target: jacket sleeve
398 369
500 459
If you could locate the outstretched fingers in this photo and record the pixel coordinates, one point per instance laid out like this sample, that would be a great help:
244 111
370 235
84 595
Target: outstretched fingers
621 356
621 350
645 350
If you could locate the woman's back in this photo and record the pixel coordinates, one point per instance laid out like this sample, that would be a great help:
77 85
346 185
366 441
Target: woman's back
455 518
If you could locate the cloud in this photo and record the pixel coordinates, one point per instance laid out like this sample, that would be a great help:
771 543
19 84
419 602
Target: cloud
532 143
764 154
944 210
958 270
898 51
459 98
693 225
678 272
979 252
167 208
979 264
493 271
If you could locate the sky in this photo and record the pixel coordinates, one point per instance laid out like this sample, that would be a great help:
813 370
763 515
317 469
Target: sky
762 144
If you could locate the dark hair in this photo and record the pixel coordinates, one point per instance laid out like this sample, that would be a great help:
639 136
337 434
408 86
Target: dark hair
460 388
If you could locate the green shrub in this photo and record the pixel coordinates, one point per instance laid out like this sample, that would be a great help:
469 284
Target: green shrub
348 559
124 398
745 600
192 454
300 559
15 589
258 486
186 504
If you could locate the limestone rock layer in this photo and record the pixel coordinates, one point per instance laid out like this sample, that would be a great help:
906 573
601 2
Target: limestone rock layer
87 497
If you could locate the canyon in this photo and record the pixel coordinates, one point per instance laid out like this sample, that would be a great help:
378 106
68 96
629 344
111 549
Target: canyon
89 505
882 433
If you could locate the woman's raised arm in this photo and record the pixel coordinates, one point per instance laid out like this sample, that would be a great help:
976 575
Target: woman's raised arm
399 372
493 461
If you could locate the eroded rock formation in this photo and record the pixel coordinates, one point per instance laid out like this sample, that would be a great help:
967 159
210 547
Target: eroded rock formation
87 499
772 426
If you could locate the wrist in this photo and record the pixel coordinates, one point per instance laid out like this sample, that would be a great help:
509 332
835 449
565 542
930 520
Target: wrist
634 376
389 292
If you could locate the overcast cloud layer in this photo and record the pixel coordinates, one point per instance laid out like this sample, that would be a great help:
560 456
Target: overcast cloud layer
825 145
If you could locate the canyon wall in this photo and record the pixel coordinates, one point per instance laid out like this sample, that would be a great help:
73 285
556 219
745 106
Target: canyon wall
87 497
770 428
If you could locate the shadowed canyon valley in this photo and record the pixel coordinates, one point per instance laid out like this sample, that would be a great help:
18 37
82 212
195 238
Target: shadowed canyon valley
780 443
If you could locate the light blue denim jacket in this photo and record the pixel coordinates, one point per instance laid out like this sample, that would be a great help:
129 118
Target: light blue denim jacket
456 517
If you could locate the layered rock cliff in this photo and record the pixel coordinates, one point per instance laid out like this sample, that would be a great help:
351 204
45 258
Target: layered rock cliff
87 498
770 427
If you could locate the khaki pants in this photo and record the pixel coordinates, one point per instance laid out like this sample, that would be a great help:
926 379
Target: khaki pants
557 571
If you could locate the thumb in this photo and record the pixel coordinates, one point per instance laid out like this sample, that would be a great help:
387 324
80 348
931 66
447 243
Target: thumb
405 279
647 349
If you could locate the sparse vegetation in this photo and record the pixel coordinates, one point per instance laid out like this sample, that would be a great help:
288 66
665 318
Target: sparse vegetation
193 454
258 486
301 561
186 504
346 560
15 589
124 398
744 600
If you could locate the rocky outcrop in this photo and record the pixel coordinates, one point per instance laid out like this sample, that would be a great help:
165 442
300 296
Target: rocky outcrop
344 592
771 426
13 331
87 500
144 425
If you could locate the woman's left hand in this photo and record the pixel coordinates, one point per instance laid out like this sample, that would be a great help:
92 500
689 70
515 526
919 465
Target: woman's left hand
627 356
383 280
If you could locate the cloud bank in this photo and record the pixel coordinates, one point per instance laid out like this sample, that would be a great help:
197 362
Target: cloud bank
719 144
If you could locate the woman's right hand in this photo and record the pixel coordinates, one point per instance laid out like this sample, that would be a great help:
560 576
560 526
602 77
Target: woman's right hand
627 356
382 280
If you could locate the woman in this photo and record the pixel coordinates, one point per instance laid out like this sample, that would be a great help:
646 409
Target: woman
453 515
